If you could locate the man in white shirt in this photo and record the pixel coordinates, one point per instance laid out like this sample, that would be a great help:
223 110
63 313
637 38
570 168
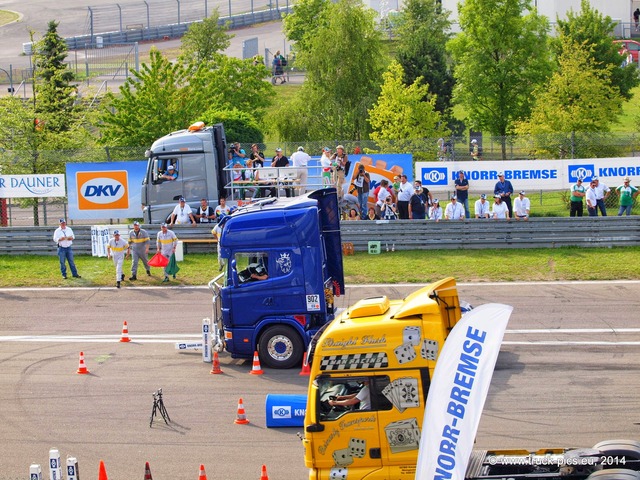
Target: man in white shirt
300 160
482 207
455 210
602 192
592 200
405 192
63 236
182 214
521 206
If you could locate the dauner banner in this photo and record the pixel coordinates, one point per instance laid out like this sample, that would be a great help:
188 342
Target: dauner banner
458 391
30 186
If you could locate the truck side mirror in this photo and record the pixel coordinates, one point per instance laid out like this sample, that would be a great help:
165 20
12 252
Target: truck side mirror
234 272
315 427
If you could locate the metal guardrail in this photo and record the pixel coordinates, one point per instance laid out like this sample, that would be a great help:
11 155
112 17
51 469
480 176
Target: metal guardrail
543 232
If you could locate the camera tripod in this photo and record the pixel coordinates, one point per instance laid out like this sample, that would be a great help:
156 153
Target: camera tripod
158 406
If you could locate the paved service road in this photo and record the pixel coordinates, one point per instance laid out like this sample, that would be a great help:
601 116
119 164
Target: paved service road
567 375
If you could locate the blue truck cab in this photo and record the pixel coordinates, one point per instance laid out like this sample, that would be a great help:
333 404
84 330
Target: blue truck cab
283 267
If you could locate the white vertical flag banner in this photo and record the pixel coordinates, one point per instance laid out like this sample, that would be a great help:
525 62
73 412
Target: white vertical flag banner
458 391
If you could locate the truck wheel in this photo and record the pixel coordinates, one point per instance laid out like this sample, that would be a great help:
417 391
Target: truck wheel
615 474
280 347
627 449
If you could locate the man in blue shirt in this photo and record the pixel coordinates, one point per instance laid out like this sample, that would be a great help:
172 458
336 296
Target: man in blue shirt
505 190
236 155
462 191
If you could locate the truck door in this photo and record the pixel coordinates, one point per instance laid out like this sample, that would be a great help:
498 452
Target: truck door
345 438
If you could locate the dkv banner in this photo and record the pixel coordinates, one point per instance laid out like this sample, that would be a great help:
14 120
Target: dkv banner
458 391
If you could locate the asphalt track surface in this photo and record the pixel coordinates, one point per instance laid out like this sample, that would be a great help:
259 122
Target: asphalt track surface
567 375
72 17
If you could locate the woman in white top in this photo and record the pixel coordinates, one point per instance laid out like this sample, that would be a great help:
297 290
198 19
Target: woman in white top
500 209
435 212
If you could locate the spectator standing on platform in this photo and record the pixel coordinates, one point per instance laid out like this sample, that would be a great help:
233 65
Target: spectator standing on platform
236 155
325 162
341 162
117 249
362 183
63 237
462 191
627 193
300 160
139 242
522 206
482 207
505 190
602 192
577 194
405 191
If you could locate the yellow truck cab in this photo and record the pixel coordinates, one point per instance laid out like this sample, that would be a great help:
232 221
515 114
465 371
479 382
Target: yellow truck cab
370 375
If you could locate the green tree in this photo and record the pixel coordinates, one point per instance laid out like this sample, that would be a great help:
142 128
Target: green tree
303 22
238 126
422 34
501 55
344 62
594 30
402 118
577 99
54 95
205 39
166 96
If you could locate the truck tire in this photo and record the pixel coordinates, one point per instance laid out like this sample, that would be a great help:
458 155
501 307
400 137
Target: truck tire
629 449
280 346
615 474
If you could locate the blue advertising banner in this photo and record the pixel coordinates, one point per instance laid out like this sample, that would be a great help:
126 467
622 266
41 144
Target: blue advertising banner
105 190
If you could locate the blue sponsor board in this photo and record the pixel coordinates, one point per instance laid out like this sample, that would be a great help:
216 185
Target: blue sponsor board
585 172
285 410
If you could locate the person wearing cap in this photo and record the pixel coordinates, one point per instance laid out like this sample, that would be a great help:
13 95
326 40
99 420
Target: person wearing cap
455 210
577 193
182 214
171 174
166 243
500 210
117 250
139 242
482 207
300 160
63 237
475 150
602 192
505 190
592 201
340 162
462 191
522 206
418 203
627 193
435 212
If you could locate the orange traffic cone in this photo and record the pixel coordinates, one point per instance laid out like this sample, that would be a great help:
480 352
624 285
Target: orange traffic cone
147 472
215 368
241 417
263 474
82 368
125 333
305 366
256 369
102 472
203 474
